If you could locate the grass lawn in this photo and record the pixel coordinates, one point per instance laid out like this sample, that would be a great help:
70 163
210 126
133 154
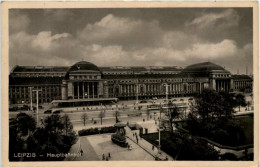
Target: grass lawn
247 124
182 147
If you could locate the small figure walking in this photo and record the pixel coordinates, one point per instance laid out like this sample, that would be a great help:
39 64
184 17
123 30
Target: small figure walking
109 156
42 120
106 158
103 157
81 152
153 147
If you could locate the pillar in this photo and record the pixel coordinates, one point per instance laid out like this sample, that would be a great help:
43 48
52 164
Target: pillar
93 93
78 89
88 89
64 95
70 89
83 90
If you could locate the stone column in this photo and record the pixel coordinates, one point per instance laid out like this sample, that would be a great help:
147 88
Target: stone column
70 90
78 89
64 95
88 89
214 84
83 89
93 93
100 88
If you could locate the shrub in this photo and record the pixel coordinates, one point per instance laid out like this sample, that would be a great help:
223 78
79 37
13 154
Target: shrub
93 131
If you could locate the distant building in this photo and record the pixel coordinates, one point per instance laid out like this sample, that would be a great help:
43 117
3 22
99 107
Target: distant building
84 83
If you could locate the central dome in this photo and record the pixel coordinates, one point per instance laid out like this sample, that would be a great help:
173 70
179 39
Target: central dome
84 66
203 67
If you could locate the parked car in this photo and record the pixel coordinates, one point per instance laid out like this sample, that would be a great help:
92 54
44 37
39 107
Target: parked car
41 107
190 98
25 107
47 112
155 98
143 101
57 111
174 100
181 100
13 108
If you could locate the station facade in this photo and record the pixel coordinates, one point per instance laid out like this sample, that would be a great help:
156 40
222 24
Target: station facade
85 83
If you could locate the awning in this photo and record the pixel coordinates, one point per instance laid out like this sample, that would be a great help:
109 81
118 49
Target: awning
84 100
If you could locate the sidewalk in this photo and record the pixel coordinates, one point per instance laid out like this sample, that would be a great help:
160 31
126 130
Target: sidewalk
146 145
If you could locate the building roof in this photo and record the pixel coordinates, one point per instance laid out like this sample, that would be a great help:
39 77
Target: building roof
243 76
84 66
203 69
39 69
141 76
141 68
34 80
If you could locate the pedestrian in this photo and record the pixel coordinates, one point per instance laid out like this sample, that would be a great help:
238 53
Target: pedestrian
128 147
42 120
153 147
81 152
103 157
133 135
106 158
109 156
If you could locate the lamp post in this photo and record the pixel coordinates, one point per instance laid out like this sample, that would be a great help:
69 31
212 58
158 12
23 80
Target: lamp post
37 104
159 146
30 88
137 94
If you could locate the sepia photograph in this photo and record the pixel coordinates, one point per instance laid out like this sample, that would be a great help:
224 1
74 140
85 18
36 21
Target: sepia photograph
131 84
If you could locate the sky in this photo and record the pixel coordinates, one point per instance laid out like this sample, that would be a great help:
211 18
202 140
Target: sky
132 37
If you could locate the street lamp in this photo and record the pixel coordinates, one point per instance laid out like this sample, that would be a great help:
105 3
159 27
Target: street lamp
30 88
37 104
159 146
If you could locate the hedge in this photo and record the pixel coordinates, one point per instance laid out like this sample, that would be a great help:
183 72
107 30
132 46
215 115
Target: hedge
93 131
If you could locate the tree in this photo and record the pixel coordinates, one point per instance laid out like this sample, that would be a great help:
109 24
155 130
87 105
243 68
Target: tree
101 115
57 136
25 123
68 127
240 100
205 103
172 114
53 123
214 106
148 113
117 114
84 118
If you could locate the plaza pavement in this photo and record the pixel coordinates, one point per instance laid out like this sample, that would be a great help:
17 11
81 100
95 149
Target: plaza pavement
102 144
95 146
146 145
